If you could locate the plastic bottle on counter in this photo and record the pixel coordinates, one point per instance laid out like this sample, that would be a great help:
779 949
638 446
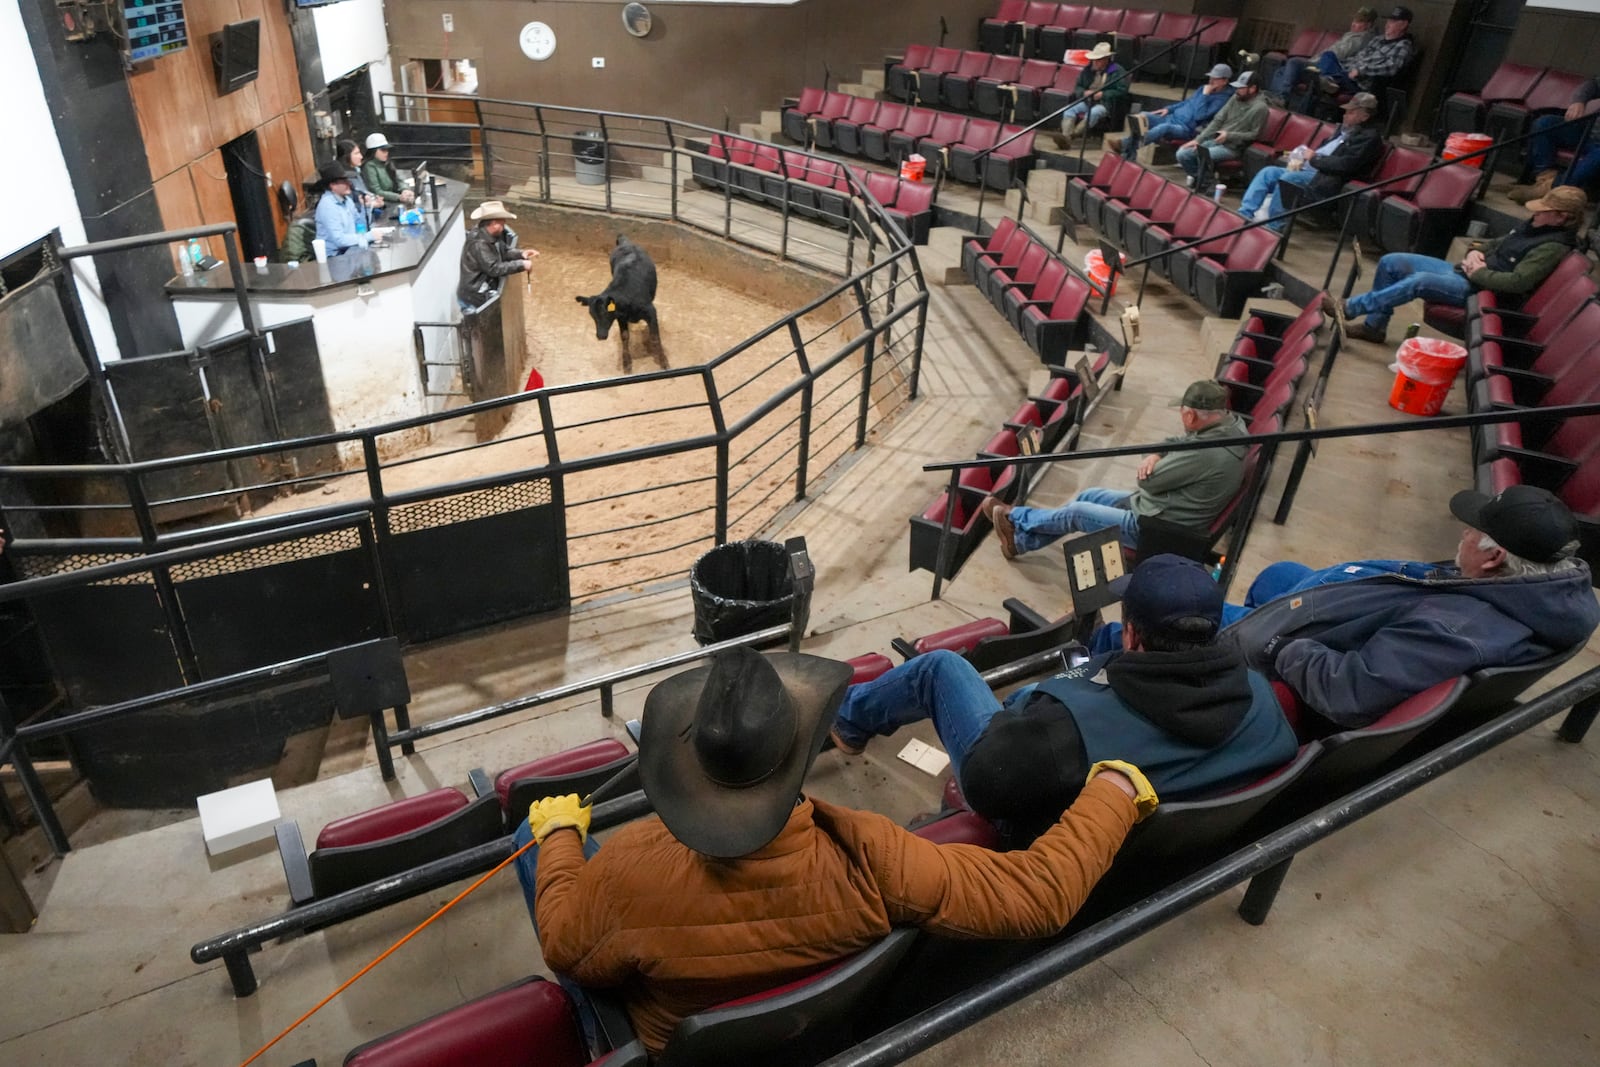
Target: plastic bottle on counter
196 253
361 227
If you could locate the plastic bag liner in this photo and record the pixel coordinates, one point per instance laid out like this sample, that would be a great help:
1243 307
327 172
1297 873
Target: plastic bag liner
1429 360
739 588
589 146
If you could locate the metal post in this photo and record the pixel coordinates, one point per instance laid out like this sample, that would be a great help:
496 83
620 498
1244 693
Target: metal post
1262 891
380 741
807 398
803 575
31 786
161 576
239 972
941 558
1578 720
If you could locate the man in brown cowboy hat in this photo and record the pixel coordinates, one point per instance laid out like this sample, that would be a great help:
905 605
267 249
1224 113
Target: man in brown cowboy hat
489 255
742 883
1512 265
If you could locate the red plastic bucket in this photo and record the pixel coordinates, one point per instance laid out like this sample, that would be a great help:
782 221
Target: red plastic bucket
1094 265
1077 57
1425 369
913 168
1459 144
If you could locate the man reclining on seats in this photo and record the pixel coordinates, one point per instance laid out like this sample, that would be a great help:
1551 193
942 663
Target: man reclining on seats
1171 699
1356 639
1178 122
1185 488
1350 153
743 883
1513 265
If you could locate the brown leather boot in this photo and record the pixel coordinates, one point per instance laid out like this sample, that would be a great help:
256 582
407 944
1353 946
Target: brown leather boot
1114 144
1540 185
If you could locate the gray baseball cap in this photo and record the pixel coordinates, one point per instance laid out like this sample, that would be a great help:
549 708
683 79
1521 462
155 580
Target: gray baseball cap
1221 70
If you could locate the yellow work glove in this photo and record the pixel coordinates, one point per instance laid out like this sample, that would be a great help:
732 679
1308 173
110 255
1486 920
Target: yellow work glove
1144 794
554 813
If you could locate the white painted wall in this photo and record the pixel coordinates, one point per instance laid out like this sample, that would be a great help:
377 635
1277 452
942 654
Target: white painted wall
350 34
36 185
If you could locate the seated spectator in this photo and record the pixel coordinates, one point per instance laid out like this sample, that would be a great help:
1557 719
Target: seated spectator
338 211
1351 153
1547 141
1186 488
1240 122
1513 265
1383 57
1170 699
1099 87
1181 121
383 181
1356 639
350 158
741 882
1330 61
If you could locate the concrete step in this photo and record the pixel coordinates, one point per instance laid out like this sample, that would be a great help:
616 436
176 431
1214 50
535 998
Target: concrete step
1045 211
772 120
941 256
874 77
758 131
860 89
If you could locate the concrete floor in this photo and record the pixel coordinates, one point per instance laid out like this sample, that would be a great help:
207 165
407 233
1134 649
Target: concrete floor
1457 926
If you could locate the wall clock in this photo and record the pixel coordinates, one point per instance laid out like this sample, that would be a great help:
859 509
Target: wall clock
538 41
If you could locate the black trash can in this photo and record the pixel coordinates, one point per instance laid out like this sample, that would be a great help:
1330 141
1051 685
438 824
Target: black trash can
589 157
739 588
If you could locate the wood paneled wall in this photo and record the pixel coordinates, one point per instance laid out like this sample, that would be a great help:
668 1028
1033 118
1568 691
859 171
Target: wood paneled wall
185 123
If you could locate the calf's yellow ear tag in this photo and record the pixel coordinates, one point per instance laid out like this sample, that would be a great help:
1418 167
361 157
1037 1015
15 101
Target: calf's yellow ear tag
611 305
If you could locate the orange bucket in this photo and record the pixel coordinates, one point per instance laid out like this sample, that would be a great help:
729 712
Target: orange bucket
1425 370
1094 265
1077 57
1459 144
913 168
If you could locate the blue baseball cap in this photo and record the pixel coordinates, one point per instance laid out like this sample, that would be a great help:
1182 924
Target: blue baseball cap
1166 589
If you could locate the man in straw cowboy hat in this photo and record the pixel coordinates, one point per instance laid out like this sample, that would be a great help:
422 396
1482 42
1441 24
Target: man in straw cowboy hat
1512 265
489 255
741 882
1099 87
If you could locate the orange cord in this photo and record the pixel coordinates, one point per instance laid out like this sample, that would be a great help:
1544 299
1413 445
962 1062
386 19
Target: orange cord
387 953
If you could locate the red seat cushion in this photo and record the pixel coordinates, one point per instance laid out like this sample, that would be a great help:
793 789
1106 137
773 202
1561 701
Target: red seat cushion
866 668
953 800
568 761
531 1021
960 828
390 820
962 638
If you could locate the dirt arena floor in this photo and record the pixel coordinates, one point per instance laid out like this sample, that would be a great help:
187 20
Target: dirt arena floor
633 523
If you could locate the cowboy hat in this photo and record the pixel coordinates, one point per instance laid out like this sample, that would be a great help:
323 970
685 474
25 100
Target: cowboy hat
491 209
1100 51
331 172
726 746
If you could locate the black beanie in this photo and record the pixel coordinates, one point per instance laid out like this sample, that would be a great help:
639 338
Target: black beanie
1027 765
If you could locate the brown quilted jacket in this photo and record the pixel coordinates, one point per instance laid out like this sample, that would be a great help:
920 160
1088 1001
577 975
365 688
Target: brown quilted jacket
676 932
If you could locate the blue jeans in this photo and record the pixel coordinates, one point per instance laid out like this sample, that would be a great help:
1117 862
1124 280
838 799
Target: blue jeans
940 686
1402 278
1288 75
1189 158
1547 140
1097 113
1163 131
1264 187
527 866
1090 510
1330 67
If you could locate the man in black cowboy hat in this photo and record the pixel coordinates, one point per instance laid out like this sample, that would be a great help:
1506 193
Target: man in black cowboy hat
743 883
339 210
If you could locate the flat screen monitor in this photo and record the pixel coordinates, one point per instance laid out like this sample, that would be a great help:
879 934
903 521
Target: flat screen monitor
155 28
236 54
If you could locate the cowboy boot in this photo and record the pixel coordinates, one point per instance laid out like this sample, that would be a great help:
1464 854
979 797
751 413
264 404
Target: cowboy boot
1521 194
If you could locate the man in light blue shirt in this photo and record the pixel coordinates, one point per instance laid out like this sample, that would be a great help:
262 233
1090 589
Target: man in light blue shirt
338 211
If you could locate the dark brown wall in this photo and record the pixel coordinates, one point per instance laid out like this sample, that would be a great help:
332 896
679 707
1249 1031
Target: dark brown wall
1567 40
699 58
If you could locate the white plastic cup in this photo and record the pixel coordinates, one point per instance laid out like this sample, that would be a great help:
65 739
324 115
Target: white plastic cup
261 263
320 248
1216 194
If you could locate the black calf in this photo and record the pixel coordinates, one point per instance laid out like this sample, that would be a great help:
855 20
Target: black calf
628 299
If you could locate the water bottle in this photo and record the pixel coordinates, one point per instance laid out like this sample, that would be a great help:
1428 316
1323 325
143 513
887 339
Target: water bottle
361 227
195 254
185 264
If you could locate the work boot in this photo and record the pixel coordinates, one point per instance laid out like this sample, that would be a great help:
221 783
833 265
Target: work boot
1541 184
1360 331
844 746
1070 129
999 515
1114 144
1334 308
